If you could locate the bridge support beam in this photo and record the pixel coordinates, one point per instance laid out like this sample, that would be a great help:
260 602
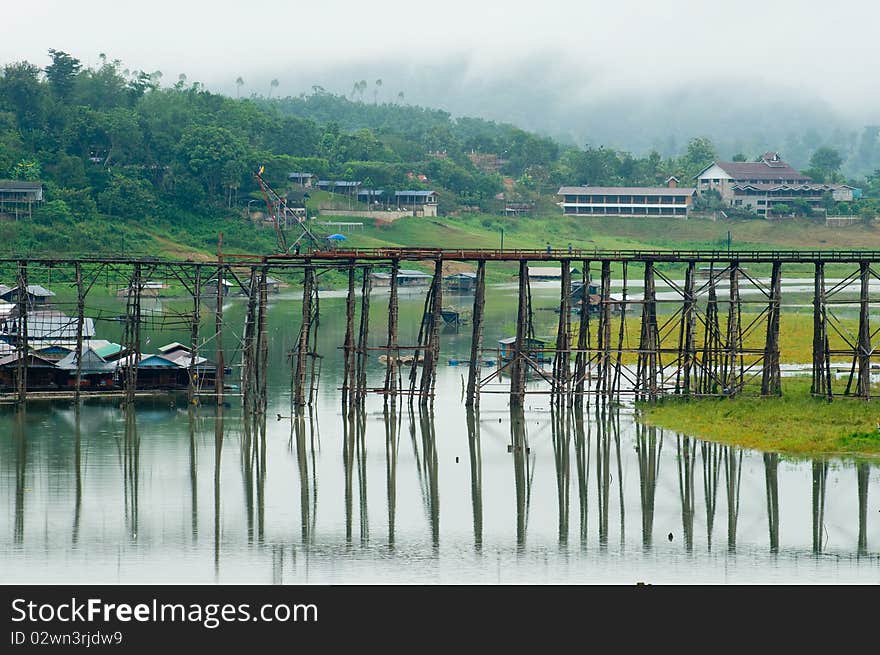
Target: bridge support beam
771 377
472 398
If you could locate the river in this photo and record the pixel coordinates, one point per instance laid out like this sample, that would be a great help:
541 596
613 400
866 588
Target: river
164 493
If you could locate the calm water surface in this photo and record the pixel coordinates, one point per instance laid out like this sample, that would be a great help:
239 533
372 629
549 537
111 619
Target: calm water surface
163 494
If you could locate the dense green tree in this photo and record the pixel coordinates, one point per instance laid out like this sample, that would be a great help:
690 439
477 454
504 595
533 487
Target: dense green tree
62 72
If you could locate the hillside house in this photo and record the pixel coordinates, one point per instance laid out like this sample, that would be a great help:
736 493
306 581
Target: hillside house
302 180
17 198
421 203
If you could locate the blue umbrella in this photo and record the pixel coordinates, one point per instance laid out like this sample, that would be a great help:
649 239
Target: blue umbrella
336 237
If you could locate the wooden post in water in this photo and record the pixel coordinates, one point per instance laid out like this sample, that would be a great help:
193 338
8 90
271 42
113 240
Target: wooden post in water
864 344
621 334
302 349
770 378
133 333
603 381
218 325
432 352
348 346
517 368
363 337
192 387
472 398
582 359
709 369
262 341
646 375
687 337
249 346
22 331
732 380
821 382
391 350
80 322
562 359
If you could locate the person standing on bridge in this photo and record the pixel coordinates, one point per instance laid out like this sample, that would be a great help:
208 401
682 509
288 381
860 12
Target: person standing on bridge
549 250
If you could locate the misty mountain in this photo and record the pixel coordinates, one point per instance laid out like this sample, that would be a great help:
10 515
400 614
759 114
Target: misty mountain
746 116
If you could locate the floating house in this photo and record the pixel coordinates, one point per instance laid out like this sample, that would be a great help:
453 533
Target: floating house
37 295
45 327
41 372
532 347
405 278
95 371
460 282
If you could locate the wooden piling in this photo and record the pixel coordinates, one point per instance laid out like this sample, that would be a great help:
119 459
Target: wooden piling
432 352
732 377
218 325
863 389
80 322
262 342
472 398
517 365
195 324
603 381
562 358
22 330
363 338
821 379
582 358
770 378
646 374
348 346
133 333
687 333
302 349
391 349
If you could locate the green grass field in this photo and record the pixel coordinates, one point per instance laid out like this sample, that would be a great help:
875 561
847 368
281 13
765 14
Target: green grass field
795 424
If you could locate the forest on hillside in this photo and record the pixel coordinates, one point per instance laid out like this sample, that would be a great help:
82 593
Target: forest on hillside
114 146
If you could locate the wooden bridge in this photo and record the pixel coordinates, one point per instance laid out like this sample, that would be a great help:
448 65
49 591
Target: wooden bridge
705 344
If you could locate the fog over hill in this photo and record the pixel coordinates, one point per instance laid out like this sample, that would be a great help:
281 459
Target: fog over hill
739 116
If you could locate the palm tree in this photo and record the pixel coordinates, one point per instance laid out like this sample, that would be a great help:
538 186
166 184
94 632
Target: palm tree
272 85
376 91
239 82
400 97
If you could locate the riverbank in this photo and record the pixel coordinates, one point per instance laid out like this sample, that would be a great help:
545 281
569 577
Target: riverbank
795 424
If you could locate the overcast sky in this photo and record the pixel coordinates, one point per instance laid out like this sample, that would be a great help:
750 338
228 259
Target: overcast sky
821 48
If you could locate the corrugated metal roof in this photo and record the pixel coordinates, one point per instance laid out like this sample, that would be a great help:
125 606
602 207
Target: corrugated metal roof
92 362
49 325
415 192
12 185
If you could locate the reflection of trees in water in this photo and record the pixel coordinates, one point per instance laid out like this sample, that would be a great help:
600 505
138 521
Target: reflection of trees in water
862 475
649 447
771 476
732 458
710 455
687 451
820 480
475 453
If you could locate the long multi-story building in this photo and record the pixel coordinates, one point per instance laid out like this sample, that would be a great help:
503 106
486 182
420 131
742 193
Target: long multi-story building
671 200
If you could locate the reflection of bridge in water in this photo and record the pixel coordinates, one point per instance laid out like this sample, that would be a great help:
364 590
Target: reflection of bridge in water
714 334
591 457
